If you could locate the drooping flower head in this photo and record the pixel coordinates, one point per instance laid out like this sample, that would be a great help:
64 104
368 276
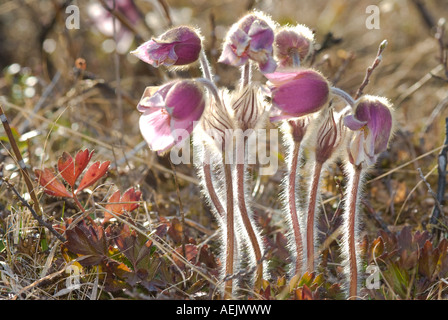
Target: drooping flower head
297 93
170 113
179 46
293 42
252 38
372 123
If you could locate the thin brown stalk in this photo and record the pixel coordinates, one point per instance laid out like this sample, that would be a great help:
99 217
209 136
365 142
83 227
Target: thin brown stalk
370 69
20 162
39 218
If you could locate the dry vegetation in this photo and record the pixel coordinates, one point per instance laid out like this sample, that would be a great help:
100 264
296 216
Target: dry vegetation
56 104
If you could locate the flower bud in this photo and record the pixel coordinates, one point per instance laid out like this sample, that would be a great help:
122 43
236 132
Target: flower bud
372 123
296 128
293 43
217 123
176 47
298 93
248 107
176 105
250 38
329 136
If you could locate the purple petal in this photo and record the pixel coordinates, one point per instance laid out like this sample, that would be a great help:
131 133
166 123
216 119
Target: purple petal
185 125
153 53
261 36
305 94
246 22
379 122
178 46
352 123
186 44
186 53
153 97
269 66
239 41
279 78
184 99
229 57
155 129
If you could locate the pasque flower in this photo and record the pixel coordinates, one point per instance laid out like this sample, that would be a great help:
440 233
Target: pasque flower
176 47
292 45
372 124
250 38
170 112
297 93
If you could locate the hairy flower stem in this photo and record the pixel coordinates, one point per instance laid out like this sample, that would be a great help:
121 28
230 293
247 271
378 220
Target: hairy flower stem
246 75
230 236
205 66
210 187
240 172
344 96
310 223
350 223
293 207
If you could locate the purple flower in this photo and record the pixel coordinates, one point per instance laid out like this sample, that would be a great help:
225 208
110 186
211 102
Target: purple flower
250 38
372 123
291 43
170 112
297 93
103 21
179 46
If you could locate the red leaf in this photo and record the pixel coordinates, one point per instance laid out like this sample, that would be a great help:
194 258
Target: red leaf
82 159
119 204
66 168
191 252
71 170
130 195
114 206
304 293
93 174
52 186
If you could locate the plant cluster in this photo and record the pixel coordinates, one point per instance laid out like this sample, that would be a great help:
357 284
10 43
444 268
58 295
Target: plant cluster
295 97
